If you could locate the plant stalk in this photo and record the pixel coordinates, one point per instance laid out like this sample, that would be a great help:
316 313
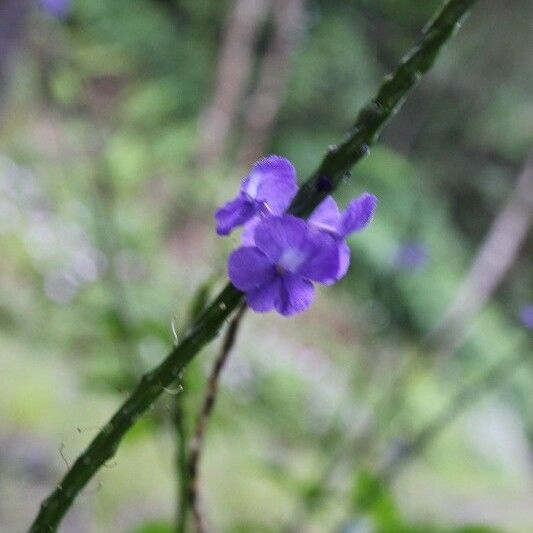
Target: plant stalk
208 404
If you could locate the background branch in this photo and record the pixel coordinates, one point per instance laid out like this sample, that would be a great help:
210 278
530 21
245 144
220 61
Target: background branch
233 73
208 404
264 103
491 263
179 419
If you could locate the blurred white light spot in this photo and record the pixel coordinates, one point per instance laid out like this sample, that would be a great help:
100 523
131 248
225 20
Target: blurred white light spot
89 264
9 217
60 286
40 241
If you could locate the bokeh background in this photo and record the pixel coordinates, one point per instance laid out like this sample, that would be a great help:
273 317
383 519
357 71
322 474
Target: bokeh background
403 400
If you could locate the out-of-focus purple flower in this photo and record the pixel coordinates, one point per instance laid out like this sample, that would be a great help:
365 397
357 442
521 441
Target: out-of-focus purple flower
278 271
267 190
411 256
57 8
526 316
328 219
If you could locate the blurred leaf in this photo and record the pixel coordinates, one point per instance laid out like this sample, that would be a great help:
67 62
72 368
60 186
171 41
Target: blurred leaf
154 527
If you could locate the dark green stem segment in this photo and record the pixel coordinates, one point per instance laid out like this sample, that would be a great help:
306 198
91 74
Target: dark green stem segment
178 422
152 384
370 121
333 169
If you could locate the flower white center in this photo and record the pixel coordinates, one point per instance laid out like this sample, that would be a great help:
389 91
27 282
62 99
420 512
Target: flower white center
253 185
290 260
328 228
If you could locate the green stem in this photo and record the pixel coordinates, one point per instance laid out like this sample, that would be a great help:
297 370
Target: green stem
198 305
372 118
181 466
208 404
335 166
152 384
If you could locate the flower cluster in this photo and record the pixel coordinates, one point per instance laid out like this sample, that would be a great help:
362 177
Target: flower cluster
282 255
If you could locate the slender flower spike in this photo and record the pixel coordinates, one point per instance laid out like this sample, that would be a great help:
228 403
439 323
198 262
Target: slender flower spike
277 273
327 218
267 190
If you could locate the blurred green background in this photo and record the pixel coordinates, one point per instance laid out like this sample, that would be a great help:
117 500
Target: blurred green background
125 123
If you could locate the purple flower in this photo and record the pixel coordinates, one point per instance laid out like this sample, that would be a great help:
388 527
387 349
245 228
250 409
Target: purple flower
57 8
282 255
267 190
278 271
526 316
248 232
411 256
328 219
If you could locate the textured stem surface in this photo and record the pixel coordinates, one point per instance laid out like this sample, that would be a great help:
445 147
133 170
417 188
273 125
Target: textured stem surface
178 421
152 384
335 166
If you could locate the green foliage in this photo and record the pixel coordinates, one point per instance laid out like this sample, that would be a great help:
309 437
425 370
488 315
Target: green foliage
372 499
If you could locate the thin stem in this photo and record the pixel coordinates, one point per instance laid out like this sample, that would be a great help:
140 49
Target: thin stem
152 384
197 443
328 177
178 421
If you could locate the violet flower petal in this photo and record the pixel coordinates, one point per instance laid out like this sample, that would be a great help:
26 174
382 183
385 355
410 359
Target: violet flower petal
296 295
234 213
326 217
358 214
249 268
345 253
248 232
272 181
276 235
264 298
322 264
